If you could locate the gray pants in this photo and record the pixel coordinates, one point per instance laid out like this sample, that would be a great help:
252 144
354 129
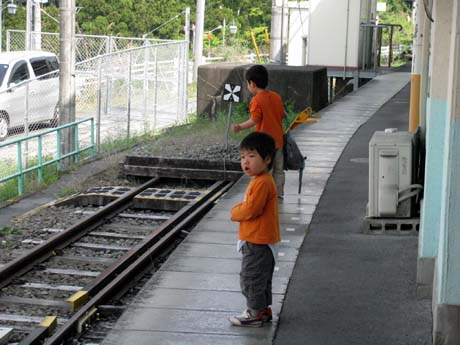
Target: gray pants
256 275
278 171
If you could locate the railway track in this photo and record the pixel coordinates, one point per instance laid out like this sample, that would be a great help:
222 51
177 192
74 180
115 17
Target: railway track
72 275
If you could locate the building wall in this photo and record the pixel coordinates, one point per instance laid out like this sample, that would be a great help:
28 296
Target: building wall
328 44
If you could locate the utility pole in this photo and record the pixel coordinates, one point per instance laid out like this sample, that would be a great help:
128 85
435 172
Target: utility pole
28 24
67 74
199 28
37 38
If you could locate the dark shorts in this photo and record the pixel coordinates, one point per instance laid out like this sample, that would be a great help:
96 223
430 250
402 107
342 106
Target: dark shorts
256 275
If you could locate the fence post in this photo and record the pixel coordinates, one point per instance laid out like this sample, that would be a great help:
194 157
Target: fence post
146 87
92 137
40 161
155 90
130 61
186 56
179 84
58 149
76 143
99 105
21 176
186 63
108 78
26 124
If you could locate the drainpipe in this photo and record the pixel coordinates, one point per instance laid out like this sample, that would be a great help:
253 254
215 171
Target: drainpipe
346 40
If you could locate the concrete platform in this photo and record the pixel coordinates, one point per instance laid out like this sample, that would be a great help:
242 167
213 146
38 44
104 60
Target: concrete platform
190 299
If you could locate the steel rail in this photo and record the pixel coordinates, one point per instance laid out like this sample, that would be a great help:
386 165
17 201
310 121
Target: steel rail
123 262
195 211
43 251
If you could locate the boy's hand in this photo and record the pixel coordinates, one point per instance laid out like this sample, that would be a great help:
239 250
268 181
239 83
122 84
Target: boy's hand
236 128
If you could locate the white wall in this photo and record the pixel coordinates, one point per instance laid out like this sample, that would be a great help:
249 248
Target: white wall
328 33
298 33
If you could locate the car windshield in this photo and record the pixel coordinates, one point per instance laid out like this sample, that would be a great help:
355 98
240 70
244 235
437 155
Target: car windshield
3 69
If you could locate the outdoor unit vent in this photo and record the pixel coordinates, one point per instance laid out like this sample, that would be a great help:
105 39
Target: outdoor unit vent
391 174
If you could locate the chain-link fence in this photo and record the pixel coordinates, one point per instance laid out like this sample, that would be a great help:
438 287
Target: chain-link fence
129 92
135 91
86 46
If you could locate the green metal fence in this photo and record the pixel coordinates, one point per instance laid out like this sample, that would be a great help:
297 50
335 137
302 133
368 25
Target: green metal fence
57 157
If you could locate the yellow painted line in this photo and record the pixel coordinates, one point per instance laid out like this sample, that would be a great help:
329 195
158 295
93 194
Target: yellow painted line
78 299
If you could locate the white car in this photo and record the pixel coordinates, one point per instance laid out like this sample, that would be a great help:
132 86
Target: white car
29 89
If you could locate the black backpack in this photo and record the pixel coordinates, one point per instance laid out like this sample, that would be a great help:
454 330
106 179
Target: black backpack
293 158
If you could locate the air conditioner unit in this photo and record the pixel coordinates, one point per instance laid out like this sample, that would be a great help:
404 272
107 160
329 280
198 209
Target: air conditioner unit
391 174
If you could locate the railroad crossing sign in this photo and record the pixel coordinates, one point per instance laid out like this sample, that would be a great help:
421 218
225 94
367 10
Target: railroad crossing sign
232 93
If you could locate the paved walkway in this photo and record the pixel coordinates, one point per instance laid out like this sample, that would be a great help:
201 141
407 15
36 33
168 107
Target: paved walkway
349 288
345 288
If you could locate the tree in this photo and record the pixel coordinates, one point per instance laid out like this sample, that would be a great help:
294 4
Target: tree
398 12
134 18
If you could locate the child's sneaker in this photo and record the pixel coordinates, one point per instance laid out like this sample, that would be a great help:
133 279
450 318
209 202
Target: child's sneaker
246 319
267 314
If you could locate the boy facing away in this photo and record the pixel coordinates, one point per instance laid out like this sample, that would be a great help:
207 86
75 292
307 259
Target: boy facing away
258 231
267 113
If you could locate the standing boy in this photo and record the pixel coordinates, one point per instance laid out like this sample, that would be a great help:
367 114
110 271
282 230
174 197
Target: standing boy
258 231
267 113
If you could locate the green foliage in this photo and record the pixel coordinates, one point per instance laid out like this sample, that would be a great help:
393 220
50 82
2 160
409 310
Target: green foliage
398 12
134 18
9 189
6 230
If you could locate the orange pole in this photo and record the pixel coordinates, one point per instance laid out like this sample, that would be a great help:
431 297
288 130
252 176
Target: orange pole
414 112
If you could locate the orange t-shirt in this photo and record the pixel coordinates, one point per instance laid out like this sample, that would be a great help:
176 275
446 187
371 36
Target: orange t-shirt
258 213
267 111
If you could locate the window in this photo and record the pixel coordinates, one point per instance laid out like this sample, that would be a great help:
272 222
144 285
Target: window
44 66
19 74
3 69
39 66
53 63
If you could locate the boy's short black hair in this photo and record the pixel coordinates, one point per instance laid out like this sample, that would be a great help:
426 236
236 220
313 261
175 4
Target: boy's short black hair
259 75
261 142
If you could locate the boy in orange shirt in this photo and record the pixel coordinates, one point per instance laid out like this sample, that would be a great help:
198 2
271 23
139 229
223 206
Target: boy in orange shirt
267 113
258 231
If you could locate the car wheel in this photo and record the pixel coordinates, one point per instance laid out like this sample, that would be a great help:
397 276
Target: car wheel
3 127
55 121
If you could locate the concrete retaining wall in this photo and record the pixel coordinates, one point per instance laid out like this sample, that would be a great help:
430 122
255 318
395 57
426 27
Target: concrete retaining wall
302 86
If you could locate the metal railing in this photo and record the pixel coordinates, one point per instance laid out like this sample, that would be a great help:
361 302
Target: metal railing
23 149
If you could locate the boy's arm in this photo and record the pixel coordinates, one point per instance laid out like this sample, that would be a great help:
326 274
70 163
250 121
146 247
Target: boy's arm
253 206
256 113
244 125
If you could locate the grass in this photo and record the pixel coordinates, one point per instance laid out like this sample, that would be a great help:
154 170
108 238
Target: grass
6 230
9 189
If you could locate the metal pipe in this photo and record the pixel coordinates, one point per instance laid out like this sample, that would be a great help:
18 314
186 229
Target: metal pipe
346 40
99 104
129 93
